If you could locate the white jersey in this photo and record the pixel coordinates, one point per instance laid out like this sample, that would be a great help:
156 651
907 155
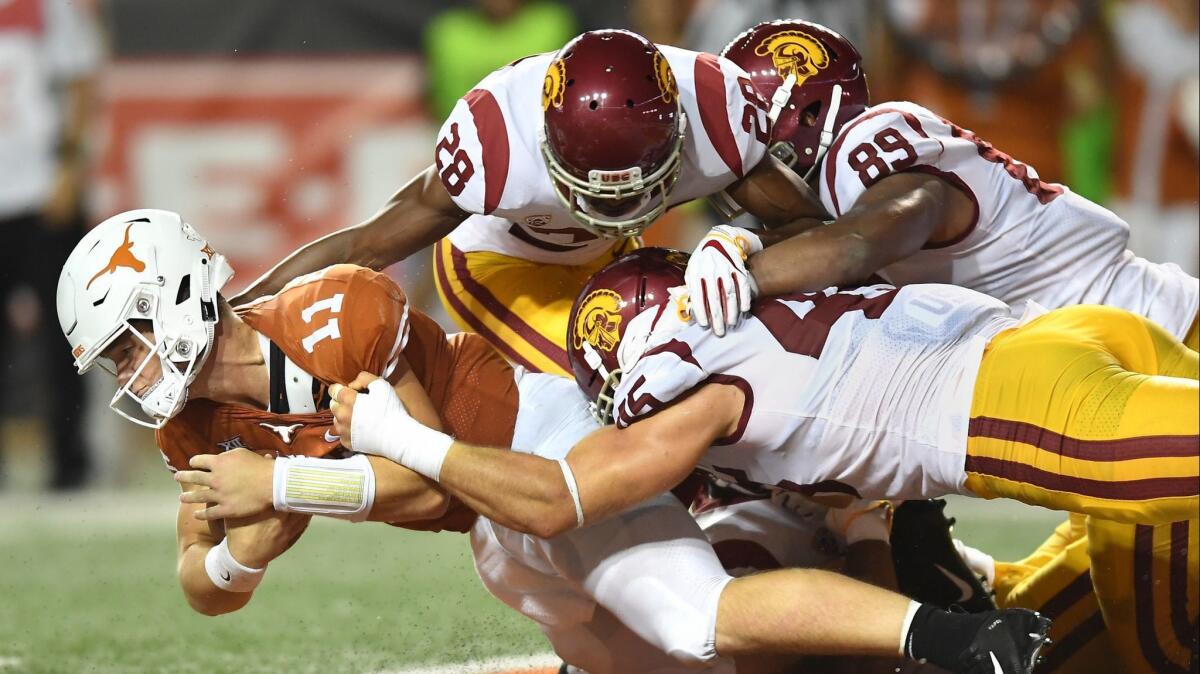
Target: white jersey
637 592
1030 240
753 533
865 392
490 161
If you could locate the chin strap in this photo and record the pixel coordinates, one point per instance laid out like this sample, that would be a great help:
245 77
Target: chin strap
835 104
780 98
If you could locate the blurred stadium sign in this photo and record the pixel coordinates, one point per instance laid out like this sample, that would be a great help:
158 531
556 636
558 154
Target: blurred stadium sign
262 154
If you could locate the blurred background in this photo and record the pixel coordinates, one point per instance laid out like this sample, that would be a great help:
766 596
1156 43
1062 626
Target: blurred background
268 123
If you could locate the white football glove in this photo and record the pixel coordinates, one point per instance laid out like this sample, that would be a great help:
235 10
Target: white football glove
720 286
381 426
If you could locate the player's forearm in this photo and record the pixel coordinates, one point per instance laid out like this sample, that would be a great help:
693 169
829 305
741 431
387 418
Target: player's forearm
328 250
414 218
775 195
519 491
788 611
201 594
810 261
401 495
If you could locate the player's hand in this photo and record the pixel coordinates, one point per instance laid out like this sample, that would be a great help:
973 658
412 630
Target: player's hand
236 483
720 286
256 540
378 424
341 403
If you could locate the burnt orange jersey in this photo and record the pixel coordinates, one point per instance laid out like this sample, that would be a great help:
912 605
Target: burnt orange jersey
325 328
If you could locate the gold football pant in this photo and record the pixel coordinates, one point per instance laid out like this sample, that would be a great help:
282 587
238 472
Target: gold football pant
522 308
1146 582
1056 581
1075 411
1125 594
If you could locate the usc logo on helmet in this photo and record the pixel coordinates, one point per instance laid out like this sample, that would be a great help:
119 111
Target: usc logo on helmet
599 321
665 78
795 53
554 85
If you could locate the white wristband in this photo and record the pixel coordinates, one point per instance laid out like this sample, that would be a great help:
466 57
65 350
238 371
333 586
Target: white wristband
569 478
228 573
382 426
341 488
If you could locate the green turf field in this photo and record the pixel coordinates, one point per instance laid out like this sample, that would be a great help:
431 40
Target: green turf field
88 585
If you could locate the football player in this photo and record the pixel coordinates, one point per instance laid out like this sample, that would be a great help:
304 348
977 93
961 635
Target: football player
549 169
920 200
139 297
916 380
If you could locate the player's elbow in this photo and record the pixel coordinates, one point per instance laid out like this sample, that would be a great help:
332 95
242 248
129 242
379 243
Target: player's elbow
548 525
207 609
859 259
553 511
213 605
433 504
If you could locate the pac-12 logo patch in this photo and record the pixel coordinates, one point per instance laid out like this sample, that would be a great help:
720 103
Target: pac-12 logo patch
794 52
599 321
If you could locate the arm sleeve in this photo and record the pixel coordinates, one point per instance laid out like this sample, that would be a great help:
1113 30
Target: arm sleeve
478 147
731 129
878 143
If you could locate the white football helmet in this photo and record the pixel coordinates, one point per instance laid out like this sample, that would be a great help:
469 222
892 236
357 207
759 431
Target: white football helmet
151 265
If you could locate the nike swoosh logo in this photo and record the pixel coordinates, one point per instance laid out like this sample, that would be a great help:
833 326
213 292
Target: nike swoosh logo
963 589
225 576
995 662
330 437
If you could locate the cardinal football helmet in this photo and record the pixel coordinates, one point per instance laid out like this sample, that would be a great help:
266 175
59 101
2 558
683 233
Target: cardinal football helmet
613 131
143 265
609 301
802 67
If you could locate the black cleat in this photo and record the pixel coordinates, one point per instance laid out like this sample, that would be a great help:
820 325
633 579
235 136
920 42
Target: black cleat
1008 643
928 567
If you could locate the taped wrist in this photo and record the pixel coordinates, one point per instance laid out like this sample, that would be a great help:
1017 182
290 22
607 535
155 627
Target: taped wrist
341 488
382 426
228 573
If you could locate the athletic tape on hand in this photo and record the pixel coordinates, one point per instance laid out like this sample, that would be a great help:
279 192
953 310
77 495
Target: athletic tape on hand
381 426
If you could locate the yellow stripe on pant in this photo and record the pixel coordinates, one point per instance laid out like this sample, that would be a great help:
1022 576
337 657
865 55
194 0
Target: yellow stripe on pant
521 307
1073 412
